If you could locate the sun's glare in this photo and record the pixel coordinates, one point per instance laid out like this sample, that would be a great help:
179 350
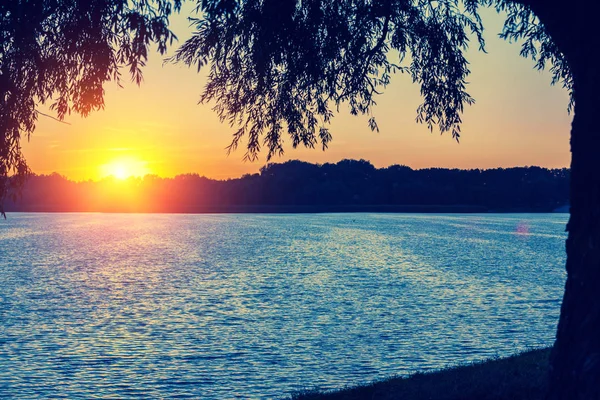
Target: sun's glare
124 168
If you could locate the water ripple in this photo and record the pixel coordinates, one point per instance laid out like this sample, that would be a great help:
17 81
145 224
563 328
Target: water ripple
257 306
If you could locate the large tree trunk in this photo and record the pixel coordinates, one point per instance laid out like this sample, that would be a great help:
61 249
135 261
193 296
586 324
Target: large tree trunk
575 361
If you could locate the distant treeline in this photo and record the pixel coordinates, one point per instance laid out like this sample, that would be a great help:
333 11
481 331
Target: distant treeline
297 186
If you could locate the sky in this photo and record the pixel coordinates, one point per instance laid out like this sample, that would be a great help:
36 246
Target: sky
519 119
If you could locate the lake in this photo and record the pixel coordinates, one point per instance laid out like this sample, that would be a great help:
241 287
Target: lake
257 306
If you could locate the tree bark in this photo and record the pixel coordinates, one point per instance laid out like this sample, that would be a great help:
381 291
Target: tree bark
575 361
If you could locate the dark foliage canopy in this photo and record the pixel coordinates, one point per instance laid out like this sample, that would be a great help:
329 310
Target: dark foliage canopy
285 66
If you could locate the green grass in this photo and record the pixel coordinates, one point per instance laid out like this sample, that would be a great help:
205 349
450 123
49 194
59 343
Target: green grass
522 376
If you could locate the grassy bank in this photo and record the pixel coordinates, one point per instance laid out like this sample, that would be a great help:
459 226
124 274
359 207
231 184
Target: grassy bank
522 376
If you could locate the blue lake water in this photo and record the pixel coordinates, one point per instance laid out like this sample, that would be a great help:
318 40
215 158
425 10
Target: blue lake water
258 306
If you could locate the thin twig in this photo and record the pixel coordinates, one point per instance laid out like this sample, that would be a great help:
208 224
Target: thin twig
50 116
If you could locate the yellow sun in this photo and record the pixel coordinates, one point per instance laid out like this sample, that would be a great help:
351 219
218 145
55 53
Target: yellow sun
124 168
120 172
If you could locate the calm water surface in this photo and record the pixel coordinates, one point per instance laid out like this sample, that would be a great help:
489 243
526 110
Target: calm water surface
257 306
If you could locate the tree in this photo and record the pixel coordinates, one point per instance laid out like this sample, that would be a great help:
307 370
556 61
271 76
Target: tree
282 66
62 52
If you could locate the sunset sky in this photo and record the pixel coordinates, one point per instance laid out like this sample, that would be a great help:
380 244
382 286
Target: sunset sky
158 128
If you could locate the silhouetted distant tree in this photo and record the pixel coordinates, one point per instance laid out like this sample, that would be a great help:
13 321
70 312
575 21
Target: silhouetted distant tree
62 52
280 67
295 185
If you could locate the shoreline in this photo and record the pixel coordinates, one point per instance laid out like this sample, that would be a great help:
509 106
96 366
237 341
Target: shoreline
286 209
